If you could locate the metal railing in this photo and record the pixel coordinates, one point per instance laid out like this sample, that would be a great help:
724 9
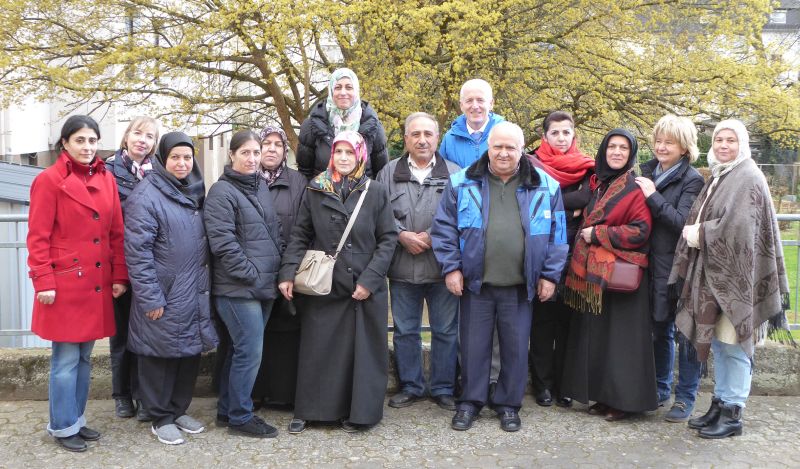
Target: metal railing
18 245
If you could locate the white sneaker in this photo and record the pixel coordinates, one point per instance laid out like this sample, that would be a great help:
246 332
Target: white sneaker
188 424
168 434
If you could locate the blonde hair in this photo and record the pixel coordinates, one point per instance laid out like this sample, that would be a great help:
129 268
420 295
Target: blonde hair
681 129
138 123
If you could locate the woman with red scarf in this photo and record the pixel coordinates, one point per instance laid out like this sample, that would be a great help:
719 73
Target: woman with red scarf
560 157
609 356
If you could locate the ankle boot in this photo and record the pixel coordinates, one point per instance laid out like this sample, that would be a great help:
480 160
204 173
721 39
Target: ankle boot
728 424
710 418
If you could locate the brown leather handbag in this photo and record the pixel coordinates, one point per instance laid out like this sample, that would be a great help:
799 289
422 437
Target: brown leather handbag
625 278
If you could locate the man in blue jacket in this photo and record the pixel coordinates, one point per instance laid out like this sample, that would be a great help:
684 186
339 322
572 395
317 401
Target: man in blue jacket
500 235
468 137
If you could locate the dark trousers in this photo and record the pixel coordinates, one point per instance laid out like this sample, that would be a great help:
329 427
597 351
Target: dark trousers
166 386
549 332
510 310
123 361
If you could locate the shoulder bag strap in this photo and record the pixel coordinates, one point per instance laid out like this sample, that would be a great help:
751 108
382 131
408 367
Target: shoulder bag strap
352 219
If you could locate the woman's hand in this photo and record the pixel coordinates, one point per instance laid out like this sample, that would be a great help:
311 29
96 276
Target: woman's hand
586 234
46 297
545 289
646 185
361 293
155 314
118 289
286 289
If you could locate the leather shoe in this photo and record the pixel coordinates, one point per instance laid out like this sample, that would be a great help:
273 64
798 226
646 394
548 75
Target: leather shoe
72 443
296 426
598 408
141 413
124 408
564 402
543 398
463 420
510 421
403 399
612 414
88 434
445 401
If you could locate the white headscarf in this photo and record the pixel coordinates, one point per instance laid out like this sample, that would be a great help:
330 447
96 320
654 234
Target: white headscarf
719 169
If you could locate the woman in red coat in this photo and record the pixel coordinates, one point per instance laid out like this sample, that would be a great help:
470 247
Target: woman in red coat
77 264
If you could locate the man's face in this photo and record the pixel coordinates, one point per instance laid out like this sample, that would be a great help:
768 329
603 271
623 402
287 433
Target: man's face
421 138
504 152
476 103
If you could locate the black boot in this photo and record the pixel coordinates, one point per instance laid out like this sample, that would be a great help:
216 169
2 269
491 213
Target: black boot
728 424
710 418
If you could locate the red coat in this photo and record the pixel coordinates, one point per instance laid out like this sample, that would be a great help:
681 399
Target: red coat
75 247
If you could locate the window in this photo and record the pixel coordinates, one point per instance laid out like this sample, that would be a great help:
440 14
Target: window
778 17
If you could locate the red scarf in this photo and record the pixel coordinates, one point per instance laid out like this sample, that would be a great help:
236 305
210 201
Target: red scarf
567 168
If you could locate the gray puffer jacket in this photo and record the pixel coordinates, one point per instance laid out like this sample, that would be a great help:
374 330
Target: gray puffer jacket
244 234
413 206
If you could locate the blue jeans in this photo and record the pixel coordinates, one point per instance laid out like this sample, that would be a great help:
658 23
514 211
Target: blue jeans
689 368
443 316
733 372
70 371
245 320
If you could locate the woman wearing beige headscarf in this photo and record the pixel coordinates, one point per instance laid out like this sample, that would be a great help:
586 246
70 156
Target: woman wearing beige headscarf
730 275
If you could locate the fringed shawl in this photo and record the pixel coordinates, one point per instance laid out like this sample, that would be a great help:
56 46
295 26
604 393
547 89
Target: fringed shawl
622 223
738 270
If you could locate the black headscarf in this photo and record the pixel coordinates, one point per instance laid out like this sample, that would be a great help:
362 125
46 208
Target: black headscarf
603 171
192 186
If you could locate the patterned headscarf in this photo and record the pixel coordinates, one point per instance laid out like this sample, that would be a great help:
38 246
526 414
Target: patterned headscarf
272 176
330 180
719 169
344 119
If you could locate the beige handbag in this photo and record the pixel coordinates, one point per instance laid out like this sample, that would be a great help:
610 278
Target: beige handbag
314 275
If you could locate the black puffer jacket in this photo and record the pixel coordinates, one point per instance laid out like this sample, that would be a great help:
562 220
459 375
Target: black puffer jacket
316 135
244 235
287 192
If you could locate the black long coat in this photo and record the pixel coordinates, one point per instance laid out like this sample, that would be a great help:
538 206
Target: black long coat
277 375
670 206
316 136
344 355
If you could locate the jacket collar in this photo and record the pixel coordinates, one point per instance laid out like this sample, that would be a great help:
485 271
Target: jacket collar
528 176
402 173
459 126
320 126
649 167
118 167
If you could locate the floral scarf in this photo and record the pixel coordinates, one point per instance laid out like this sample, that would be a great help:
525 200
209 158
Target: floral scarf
331 181
272 176
344 119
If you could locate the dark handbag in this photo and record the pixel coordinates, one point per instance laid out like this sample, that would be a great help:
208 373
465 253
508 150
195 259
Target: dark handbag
625 278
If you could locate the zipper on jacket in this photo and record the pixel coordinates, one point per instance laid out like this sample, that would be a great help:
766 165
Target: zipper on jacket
474 198
536 207
70 270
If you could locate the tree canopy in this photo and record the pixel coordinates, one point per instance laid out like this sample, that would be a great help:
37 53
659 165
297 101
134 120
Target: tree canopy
249 62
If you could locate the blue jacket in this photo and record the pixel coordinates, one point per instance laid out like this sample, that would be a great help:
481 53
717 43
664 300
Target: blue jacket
167 256
459 227
458 145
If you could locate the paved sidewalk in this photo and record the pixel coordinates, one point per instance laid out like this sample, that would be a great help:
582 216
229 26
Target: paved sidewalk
417 436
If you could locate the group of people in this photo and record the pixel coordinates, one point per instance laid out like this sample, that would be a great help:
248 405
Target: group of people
555 264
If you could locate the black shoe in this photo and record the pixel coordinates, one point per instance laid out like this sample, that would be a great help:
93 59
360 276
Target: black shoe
445 401
141 413
297 426
564 402
72 443
510 421
728 424
463 420
222 420
403 399
543 398
255 427
88 434
710 418
124 408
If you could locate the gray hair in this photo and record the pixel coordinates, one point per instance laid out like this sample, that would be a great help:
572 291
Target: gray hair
511 127
476 83
419 115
